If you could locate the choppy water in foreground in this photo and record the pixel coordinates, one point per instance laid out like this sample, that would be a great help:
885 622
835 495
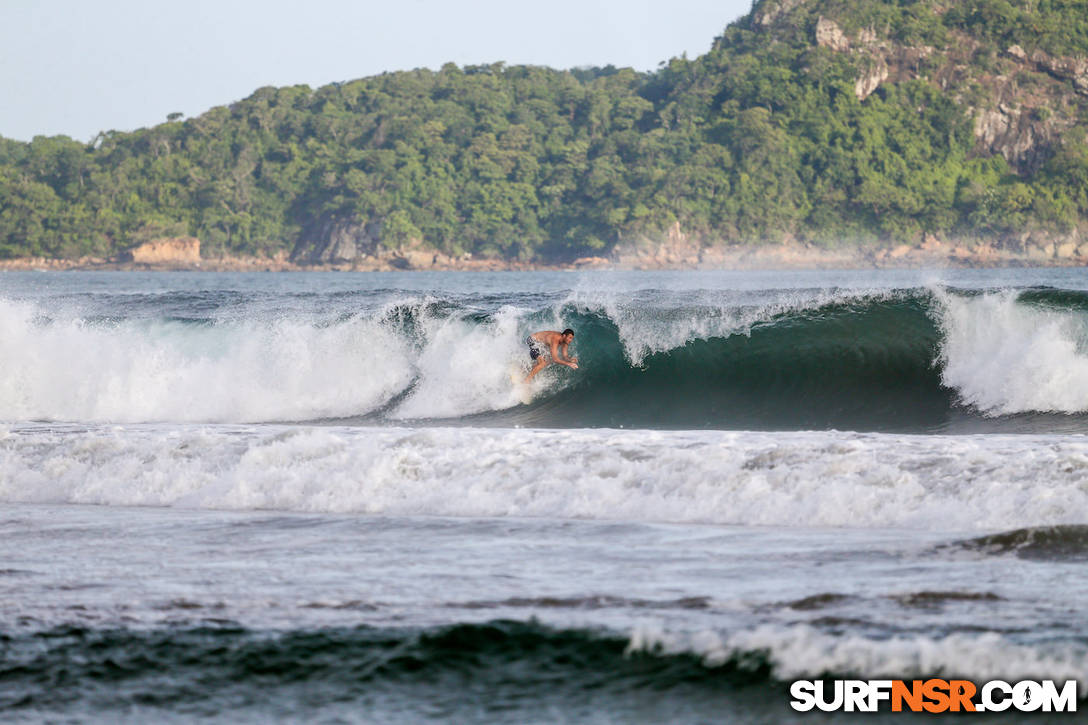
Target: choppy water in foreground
319 497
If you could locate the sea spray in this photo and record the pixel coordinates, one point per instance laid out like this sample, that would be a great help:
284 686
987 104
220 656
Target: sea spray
465 367
1004 355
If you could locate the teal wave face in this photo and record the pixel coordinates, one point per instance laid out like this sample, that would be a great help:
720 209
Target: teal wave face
868 365
502 671
871 363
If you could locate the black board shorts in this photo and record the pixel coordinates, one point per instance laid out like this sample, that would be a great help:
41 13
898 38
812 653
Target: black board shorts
534 350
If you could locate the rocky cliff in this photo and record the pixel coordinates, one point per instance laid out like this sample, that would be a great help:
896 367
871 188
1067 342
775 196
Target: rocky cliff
1020 102
175 251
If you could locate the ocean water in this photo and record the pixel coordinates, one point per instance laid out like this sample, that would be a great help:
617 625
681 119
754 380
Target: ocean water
245 498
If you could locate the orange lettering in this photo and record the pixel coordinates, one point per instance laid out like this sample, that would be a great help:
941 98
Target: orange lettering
961 692
912 695
937 692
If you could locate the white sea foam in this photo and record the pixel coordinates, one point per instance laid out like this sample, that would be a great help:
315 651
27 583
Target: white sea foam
800 651
1004 357
942 483
465 368
140 370
255 370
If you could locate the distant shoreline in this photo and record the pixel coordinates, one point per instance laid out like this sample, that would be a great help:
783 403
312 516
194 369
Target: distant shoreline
733 257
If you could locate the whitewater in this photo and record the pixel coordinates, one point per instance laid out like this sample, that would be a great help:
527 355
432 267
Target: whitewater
752 477
793 479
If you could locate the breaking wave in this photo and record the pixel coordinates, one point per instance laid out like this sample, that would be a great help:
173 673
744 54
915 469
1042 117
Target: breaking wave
918 360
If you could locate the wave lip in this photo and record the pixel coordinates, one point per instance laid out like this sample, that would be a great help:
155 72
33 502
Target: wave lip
803 652
1060 542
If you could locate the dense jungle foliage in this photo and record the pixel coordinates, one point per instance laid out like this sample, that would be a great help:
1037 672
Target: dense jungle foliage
760 137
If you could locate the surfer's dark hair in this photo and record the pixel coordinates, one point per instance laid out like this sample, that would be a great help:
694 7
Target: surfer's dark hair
568 331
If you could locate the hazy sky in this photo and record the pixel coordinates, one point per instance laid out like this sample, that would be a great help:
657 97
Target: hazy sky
77 67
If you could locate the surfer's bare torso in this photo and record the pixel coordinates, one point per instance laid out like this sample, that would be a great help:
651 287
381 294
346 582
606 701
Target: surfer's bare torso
556 344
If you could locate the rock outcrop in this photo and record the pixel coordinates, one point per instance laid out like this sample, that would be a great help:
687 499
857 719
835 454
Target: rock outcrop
1063 68
332 240
830 35
869 80
174 251
878 59
772 11
1017 133
354 245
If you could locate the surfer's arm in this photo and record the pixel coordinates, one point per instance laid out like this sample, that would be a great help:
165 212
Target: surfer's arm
566 355
556 357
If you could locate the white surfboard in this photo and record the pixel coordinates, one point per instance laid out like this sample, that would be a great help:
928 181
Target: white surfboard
522 390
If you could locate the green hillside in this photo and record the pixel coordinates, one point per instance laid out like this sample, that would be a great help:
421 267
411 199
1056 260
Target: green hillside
832 121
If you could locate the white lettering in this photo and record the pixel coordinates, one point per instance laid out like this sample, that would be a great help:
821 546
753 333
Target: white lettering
856 696
803 695
988 699
879 690
1027 696
821 701
1065 701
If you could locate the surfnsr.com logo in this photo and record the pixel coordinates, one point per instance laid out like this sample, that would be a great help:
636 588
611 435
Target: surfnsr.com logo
933 696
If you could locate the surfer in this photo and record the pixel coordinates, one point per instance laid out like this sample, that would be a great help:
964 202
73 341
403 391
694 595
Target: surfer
554 341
